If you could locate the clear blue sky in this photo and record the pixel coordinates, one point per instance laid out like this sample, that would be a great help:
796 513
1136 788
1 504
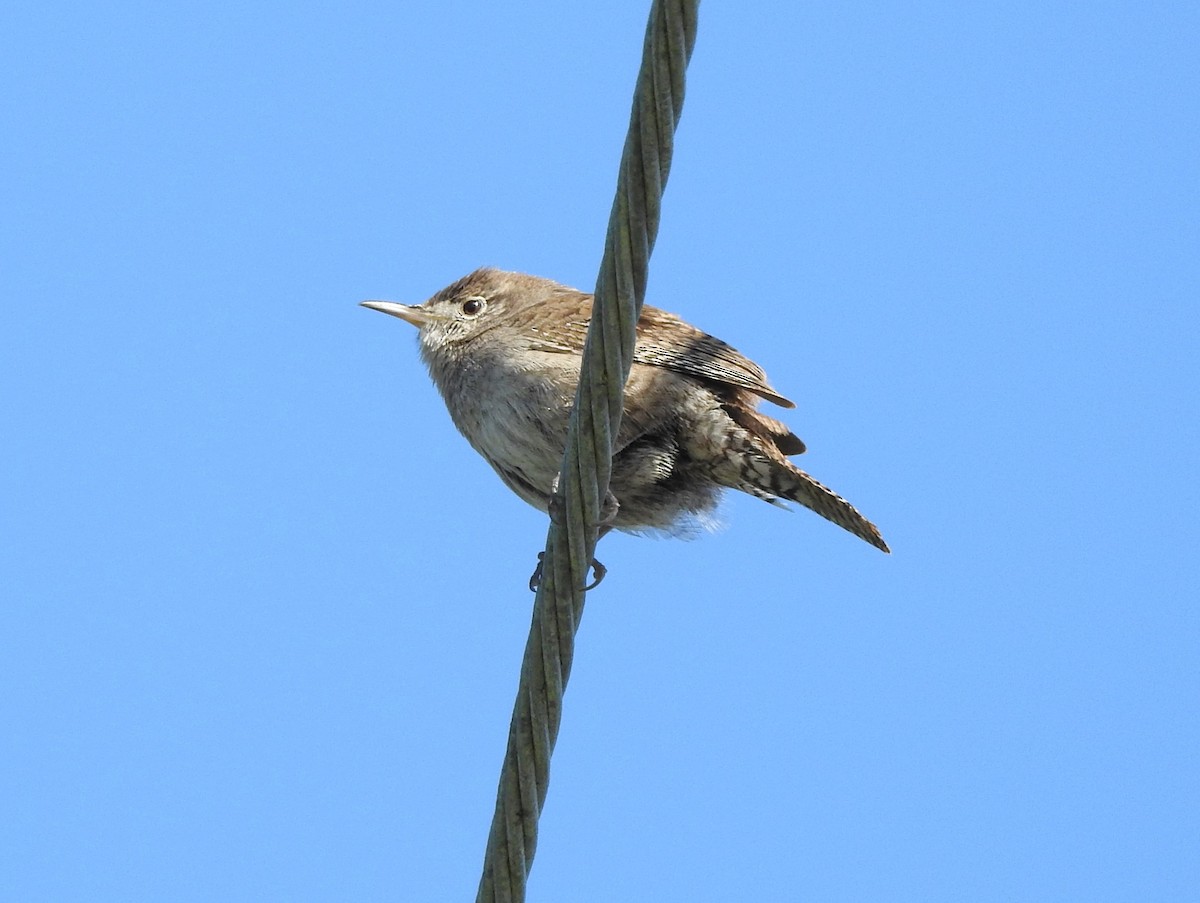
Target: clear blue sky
263 608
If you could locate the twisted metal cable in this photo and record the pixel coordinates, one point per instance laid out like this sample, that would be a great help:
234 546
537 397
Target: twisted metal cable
587 461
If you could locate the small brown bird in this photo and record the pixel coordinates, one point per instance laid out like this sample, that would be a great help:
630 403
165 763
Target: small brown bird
504 349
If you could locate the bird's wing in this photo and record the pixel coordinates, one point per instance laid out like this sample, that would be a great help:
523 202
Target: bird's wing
688 350
664 340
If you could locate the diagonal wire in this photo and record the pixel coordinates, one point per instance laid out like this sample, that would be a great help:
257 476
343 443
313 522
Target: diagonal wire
587 461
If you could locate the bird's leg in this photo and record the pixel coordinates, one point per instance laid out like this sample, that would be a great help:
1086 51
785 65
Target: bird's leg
608 516
608 513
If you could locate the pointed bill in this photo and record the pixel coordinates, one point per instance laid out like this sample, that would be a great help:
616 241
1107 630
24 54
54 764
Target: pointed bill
409 313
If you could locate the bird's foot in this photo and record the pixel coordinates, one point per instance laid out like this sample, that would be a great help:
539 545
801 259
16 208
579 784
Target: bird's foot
608 516
608 508
535 579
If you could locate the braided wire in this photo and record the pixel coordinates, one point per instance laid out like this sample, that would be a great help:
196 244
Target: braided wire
587 461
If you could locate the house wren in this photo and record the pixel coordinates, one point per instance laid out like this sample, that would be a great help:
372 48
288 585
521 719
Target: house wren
504 350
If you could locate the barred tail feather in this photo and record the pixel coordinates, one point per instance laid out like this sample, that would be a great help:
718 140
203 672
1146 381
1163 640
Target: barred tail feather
795 485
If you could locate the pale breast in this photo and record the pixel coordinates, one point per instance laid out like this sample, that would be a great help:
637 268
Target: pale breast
516 419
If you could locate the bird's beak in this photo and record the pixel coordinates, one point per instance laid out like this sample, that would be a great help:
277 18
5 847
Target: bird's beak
409 313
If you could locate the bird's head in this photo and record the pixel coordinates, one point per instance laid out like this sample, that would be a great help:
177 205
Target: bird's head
483 301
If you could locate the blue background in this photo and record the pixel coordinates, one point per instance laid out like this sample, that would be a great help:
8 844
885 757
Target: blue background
263 608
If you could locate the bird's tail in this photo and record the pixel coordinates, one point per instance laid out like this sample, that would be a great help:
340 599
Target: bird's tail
753 458
772 478
795 485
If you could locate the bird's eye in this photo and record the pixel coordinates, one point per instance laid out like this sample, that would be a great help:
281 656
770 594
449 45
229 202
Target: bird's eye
473 307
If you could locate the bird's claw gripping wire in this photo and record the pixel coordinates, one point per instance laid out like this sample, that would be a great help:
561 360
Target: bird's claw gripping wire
535 579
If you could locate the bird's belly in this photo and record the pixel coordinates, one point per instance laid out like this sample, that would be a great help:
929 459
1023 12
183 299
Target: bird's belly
519 426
